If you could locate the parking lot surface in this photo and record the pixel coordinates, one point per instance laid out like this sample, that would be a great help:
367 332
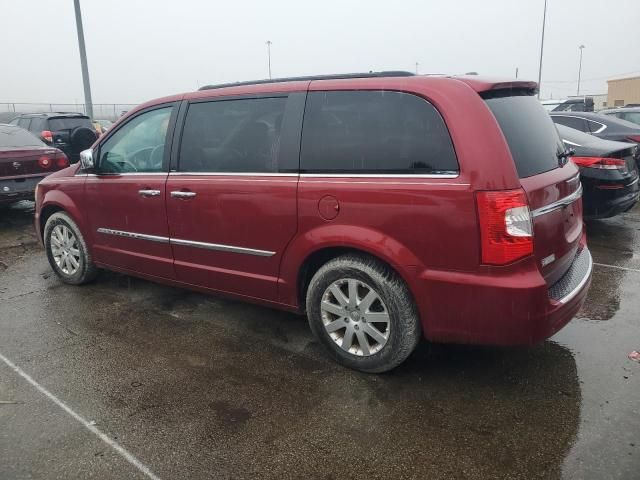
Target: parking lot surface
174 384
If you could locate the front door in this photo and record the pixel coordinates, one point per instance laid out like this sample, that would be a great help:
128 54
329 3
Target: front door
231 203
126 196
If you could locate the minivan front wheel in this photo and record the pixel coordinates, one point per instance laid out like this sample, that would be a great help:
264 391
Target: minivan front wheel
67 251
363 313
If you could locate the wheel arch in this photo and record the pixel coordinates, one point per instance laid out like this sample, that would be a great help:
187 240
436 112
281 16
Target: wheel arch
57 201
308 253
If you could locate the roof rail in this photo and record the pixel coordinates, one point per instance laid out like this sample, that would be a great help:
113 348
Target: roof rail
339 76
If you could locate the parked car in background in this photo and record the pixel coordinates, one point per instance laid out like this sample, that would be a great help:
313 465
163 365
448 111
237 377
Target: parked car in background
584 104
6 117
24 161
601 126
630 114
70 132
608 172
405 207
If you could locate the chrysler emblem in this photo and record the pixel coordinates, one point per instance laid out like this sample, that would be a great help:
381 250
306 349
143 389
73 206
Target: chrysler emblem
16 165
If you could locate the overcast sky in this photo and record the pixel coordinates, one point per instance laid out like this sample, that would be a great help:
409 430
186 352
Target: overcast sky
138 50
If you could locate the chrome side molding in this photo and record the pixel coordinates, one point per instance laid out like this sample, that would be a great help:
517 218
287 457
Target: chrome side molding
188 243
137 236
222 248
558 204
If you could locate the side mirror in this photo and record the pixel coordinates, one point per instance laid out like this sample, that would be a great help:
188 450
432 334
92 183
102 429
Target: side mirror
86 159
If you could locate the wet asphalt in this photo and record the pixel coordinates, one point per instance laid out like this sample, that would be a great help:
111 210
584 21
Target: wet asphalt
195 386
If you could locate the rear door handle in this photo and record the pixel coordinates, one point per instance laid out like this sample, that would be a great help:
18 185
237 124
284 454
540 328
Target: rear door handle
181 194
149 193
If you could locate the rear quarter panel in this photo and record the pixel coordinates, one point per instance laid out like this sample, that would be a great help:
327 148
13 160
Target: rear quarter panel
414 224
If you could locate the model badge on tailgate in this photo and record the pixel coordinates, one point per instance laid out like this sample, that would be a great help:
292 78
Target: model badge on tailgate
547 260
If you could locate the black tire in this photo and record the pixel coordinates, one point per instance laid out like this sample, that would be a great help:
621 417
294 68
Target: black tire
86 271
404 323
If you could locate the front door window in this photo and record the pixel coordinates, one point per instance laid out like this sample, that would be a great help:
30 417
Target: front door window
137 147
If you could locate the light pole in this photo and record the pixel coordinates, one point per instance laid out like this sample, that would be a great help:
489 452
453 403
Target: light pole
417 64
269 56
83 61
544 20
579 69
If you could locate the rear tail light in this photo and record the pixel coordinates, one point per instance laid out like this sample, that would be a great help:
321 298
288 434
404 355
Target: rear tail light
506 229
47 136
45 162
601 163
634 138
61 160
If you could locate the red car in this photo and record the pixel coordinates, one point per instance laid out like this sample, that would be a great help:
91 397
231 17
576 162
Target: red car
386 206
24 161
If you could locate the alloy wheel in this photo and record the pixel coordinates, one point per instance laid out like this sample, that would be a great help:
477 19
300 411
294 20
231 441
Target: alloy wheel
355 317
65 249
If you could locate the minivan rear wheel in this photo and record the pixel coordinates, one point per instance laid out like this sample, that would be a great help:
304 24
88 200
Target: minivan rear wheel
67 251
363 313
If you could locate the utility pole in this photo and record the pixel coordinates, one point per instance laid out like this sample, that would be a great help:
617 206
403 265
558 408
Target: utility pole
544 20
417 65
579 69
83 61
269 42
516 72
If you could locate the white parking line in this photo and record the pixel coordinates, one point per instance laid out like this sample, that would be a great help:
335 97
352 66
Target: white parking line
88 425
617 267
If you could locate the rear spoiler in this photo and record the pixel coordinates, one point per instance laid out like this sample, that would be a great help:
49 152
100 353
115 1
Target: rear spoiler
489 87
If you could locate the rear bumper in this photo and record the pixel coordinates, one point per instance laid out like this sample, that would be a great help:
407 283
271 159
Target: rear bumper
16 189
598 203
502 306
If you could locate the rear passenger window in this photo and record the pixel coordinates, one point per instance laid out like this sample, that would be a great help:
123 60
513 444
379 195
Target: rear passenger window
594 127
232 136
573 122
374 132
24 123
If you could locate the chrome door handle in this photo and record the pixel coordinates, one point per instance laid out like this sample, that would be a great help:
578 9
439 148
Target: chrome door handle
149 193
180 194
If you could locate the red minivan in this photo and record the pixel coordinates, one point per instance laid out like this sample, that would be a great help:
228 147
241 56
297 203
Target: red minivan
386 206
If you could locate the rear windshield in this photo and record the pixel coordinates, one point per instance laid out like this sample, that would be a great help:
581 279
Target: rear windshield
17 137
68 123
530 133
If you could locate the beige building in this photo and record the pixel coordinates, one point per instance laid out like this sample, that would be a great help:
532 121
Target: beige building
623 91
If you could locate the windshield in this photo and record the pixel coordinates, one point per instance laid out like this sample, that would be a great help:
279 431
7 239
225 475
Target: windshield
17 137
530 133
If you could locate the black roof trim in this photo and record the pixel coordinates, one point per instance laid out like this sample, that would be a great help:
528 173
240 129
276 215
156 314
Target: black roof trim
339 76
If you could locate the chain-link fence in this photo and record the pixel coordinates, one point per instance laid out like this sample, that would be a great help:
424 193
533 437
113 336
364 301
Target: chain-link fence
109 111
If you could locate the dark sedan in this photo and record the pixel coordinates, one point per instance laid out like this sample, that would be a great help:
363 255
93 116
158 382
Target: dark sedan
24 161
608 172
601 126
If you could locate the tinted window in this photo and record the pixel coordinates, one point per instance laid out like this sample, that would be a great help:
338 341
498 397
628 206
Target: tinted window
530 133
37 125
232 136
24 123
594 126
68 123
573 122
374 132
137 146
17 137
631 117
